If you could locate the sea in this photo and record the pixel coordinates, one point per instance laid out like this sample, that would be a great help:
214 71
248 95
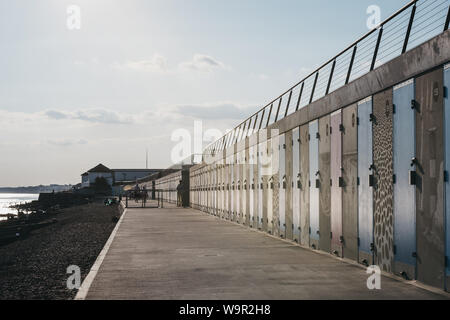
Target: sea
8 199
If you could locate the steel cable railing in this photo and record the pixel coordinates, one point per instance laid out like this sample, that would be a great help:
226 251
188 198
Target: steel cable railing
412 25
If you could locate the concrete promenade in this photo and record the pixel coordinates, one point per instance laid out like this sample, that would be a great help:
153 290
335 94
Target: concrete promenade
175 253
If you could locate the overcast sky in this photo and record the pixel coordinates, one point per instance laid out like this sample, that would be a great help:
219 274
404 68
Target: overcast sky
139 69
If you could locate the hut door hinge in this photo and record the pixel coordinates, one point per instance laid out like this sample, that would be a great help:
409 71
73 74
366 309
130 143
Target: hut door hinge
415 105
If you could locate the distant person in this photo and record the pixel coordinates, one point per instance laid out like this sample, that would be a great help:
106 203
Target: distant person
144 193
179 194
137 191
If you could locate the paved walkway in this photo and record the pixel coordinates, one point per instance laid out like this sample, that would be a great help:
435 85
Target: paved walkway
175 253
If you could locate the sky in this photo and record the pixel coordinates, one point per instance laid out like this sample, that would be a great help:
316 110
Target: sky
137 71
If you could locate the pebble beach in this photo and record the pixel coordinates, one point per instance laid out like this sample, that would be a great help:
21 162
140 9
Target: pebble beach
35 266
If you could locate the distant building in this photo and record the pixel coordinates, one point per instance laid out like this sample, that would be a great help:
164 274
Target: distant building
114 177
85 180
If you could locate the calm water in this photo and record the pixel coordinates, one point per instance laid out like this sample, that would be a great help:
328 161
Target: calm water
7 199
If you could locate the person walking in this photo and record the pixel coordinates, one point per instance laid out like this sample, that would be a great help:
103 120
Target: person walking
144 196
179 194
137 192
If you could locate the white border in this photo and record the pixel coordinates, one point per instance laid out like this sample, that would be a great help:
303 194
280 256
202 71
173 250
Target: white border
84 289
405 83
336 112
364 100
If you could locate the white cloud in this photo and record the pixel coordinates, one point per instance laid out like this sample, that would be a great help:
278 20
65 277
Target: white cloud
103 116
66 142
164 115
97 115
57 115
157 63
203 63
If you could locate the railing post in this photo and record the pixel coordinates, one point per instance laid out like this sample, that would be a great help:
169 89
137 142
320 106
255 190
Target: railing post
241 131
262 118
447 21
230 138
288 103
224 140
236 134
270 112
314 87
350 67
254 124
227 143
278 109
331 77
377 46
248 127
408 31
241 136
233 136
299 96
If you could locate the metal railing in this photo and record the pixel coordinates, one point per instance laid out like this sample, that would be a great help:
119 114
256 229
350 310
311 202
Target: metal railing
415 23
144 199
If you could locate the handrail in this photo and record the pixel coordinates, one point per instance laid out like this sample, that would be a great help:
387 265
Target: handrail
225 140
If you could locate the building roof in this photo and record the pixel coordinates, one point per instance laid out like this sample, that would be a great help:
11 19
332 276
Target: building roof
136 170
100 168
85 174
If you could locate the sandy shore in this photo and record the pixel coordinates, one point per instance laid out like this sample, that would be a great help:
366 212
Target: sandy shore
35 267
